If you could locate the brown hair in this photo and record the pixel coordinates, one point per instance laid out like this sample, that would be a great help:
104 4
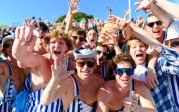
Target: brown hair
124 58
58 35
132 41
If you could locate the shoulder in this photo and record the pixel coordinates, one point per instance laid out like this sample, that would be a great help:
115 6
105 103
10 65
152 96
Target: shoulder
98 79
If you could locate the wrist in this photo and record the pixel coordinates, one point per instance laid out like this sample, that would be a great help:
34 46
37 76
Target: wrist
151 69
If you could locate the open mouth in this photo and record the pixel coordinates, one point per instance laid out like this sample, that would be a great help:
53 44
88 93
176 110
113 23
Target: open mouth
156 31
139 55
125 81
92 40
57 52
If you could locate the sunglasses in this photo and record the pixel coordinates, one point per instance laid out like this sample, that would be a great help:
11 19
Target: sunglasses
90 64
81 39
151 24
128 71
174 44
105 53
7 45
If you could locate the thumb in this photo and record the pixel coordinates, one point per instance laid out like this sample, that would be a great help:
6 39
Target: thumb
70 72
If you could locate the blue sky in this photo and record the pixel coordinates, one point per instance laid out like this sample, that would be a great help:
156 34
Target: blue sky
14 11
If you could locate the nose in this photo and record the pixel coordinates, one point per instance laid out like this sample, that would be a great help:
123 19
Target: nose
155 25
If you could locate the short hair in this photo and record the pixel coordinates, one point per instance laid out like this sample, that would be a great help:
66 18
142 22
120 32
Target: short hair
132 41
58 35
124 58
78 31
102 45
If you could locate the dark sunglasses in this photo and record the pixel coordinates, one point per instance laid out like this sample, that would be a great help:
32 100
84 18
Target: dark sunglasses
81 39
105 53
151 24
43 27
121 71
174 44
7 45
90 64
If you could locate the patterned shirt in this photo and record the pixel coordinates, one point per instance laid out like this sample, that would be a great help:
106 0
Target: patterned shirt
167 67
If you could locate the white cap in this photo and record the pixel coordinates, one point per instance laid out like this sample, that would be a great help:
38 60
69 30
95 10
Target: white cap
173 30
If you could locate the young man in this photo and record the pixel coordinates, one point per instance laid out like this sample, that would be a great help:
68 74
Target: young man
117 95
57 43
79 91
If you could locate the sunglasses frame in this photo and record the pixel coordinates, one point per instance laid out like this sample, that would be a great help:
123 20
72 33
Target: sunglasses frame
174 44
121 71
105 53
90 64
151 24
81 39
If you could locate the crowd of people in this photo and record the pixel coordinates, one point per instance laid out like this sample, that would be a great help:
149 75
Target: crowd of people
114 66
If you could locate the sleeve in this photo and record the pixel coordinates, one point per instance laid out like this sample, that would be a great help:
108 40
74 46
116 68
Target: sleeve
169 62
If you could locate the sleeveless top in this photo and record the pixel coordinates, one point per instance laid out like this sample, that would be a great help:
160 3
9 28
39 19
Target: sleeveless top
33 102
8 94
77 105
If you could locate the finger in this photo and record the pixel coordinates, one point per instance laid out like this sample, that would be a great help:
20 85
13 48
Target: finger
22 32
151 84
156 81
28 34
69 73
56 63
137 3
17 32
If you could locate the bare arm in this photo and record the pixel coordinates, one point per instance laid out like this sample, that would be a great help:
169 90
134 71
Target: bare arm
145 98
72 11
169 7
156 11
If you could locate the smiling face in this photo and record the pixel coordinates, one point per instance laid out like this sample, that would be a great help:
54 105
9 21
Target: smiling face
57 47
137 50
155 30
85 67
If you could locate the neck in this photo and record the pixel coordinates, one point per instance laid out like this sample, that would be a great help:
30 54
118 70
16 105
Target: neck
84 82
123 90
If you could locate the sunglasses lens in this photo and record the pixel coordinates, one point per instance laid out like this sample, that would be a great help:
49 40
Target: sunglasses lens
98 51
151 24
119 71
74 37
81 64
174 44
129 71
105 53
90 64
82 39
158 23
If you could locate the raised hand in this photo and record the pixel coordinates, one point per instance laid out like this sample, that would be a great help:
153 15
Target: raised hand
59 69
111 37
139 21
131 103
151 80
143 5
73 7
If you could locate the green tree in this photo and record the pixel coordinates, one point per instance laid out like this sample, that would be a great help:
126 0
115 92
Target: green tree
77 17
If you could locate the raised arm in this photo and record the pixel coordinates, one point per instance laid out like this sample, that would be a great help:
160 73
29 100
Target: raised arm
156 10
72 11
59 83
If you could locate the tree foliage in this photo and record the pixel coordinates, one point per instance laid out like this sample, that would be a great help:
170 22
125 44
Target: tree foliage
77 17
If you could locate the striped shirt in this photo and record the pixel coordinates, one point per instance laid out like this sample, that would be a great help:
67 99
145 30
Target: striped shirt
77 105
9 93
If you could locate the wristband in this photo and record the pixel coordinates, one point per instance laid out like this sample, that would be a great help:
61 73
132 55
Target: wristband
149 69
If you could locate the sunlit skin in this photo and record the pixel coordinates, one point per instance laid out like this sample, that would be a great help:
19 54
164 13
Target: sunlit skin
138 52
85 71
156 31
9 49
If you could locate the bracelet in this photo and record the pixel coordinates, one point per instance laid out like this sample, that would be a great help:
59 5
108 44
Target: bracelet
149 69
